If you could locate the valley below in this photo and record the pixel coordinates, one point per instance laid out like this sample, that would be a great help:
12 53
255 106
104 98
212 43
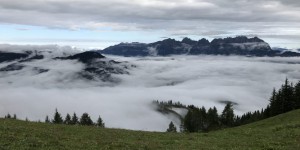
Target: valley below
125 100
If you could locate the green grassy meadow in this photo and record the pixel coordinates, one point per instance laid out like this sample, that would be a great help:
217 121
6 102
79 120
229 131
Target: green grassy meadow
279 132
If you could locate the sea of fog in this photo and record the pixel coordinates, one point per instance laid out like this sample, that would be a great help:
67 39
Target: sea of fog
197 80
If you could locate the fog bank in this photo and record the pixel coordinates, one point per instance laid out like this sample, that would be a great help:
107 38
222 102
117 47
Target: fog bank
198 80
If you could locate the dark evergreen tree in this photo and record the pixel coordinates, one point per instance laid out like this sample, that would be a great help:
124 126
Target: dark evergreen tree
100 122
188 122
203 119
227 117
195 119
15 116
57 118
47 120
297 95
74 119
86 120
67 120
213 118
267 112
274 105
8 116
287 98
172 127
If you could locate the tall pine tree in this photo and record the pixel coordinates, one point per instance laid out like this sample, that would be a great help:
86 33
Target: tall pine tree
86 120
57 118
100 122
74 119
172 127
67 119
227 117
47 119
213 118
297 95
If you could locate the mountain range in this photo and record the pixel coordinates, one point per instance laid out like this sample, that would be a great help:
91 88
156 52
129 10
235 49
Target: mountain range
240 45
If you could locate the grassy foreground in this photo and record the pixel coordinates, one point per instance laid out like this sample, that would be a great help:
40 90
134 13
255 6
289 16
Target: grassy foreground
280 132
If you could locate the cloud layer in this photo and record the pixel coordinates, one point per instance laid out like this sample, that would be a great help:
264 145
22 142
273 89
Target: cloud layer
198 80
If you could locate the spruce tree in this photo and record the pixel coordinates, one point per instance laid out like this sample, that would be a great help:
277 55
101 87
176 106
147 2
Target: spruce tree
100 122
57 118
297 95
8 116
187 122
86 120
194 119
47 120
287 91
203 119
67 119
212 118
227 116
274 105
15 116
74 119
172 127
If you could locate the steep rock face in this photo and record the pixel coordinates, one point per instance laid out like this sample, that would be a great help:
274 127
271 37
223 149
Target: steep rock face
97 66
168 47
127 49
240 45
85 57
7 56
188 41
290 54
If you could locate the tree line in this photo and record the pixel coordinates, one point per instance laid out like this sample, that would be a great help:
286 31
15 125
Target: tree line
202 120
84 120
285 99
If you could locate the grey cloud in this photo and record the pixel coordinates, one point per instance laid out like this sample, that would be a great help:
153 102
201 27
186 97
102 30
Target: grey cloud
216 18
148 11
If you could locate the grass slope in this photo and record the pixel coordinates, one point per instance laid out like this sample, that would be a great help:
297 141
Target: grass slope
280 132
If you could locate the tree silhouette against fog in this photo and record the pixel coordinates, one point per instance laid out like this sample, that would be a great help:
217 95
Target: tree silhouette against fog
74 119
57 118
100 122
172 127
67 120
86 120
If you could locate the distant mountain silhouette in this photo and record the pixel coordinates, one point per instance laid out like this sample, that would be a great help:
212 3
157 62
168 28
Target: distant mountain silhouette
85 57
96 66
240 45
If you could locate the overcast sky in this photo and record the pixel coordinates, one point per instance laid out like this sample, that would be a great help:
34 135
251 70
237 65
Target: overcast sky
100 23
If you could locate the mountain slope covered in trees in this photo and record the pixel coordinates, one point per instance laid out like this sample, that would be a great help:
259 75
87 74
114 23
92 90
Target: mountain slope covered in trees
279 132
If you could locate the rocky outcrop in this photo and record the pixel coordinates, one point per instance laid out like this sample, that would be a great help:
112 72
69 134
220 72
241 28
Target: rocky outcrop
240 45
